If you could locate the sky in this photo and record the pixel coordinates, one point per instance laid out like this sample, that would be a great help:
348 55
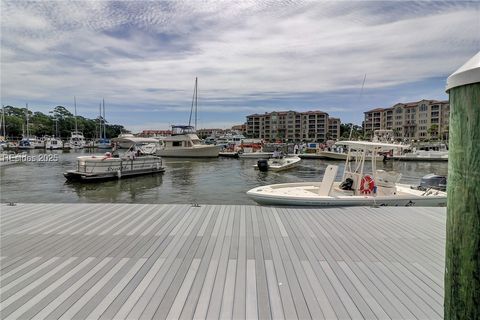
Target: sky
142 57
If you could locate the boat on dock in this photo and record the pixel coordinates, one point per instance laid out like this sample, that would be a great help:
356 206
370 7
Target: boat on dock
356 188
77 140
184 143
140 159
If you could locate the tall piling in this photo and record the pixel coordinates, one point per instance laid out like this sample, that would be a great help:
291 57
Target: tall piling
462 265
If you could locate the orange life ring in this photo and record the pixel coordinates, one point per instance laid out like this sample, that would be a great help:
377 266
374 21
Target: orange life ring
367 185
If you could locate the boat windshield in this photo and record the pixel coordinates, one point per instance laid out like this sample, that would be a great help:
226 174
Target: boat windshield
177 130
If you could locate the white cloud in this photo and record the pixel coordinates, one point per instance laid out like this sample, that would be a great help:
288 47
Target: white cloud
148 53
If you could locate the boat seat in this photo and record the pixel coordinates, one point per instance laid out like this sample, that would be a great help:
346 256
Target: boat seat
328 179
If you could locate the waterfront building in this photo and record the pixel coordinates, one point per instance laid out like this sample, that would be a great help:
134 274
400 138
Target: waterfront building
420 120
292 126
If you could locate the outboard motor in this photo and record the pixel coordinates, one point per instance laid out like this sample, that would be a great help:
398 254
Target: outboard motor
433 181
347 184
262 165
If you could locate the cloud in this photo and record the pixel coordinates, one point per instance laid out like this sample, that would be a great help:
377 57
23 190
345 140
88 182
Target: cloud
249 55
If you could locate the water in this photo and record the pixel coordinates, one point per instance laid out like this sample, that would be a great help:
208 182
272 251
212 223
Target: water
206 181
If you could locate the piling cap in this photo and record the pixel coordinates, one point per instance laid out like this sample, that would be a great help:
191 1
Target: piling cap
467 74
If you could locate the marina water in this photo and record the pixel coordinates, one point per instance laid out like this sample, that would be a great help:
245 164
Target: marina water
203 181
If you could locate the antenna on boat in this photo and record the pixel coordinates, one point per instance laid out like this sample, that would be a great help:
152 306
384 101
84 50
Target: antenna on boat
359 99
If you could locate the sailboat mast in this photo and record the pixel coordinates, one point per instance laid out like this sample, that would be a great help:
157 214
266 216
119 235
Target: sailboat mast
196 101
28 131
4 130
100 121
75 105
104 124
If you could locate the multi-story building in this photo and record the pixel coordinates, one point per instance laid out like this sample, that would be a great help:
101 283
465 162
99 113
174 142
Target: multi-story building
203 133
292 126
241 128
420 120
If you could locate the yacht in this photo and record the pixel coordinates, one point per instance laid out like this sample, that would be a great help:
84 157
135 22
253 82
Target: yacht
184 143
140 159
356 188
77 140
52 143
123 140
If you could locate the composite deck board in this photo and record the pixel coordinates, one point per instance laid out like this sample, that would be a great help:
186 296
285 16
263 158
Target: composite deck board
160 261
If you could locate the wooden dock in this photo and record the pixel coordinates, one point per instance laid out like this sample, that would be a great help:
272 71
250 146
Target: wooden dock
143 261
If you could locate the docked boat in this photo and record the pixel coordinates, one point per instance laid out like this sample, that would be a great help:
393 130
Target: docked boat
423 155
184 143
356 188
52 143
124 144
29 142
277 164
140 159
77 140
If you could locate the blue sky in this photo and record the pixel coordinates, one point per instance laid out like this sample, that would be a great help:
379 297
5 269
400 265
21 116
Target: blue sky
249 56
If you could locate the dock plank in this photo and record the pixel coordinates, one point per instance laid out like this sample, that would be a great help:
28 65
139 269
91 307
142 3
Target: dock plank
149 261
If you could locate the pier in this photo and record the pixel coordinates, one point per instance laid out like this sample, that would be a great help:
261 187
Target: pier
158 261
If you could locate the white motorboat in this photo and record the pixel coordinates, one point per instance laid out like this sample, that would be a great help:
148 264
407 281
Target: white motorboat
277 164
423 155
184 143
255 155
52 143
140 159
124 144
29 142
77 140
357 187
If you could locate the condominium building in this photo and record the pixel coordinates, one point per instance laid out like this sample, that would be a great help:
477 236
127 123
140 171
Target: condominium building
420 120
293 126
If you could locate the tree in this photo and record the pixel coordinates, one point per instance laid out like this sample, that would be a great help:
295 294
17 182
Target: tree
433 131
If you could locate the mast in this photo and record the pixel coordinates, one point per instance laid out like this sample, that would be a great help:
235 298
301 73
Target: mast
100 121
3 122
194 103
28 131
104 124
75 105
361 94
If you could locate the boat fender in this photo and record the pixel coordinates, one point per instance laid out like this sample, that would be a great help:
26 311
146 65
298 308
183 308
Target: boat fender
367 185
158 166
119 174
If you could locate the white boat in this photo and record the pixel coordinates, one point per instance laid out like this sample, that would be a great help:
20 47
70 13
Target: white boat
184 143
277 164
27 142
77 140
52 143
124 144
357 187
423 155
255 155
140 159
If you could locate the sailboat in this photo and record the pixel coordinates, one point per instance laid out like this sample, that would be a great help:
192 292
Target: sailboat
52 143
103 142
28 142
77 140
184 142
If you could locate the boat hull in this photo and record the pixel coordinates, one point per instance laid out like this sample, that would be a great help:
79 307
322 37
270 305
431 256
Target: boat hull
196 152
100 168
263 196
255 155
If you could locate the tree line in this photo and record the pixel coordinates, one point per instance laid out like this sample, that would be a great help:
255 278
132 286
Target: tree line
41 124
